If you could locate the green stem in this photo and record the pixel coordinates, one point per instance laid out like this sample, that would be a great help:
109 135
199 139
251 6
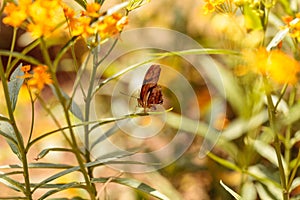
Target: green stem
88 101
12 46
32 117
19 137
272 112
24 52
62 100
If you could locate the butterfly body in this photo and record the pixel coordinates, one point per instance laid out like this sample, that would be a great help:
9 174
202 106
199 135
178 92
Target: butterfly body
151 92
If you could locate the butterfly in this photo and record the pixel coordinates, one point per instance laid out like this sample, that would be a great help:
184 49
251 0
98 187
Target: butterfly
150 92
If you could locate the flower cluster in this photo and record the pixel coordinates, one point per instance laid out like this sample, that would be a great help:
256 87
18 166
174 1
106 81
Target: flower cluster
92 22
38 79
40 17
274 64
222 6
294 27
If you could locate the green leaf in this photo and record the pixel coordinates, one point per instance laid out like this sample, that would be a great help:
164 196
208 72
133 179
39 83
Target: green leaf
38 165
233 193
44 152
100 1
134 4
268 152
224 162
19 55
240 126
49 165
14 85
106 135
73 169
265 193
133 184
82 3
11 183
8 132
293 115
249 191
61 188
74 108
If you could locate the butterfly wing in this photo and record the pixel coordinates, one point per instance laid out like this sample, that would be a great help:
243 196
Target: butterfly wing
151 92
155 96
152 75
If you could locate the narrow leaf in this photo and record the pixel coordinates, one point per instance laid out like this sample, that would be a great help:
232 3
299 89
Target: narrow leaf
233 193
134 184
61 188
268 152
11 183
106 135
82 3
14 86
74 108
224 162
44 152
37 165
8 131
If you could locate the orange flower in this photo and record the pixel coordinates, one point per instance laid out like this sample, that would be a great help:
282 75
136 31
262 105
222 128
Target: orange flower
40 77
81 26
294 25
275 64
45 17
222 6
26 69
91 22
92 10
111 25
16 14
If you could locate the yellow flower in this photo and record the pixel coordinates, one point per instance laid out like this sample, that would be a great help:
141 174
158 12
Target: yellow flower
223 6
40 77
26 69
111 25
45 17
88 24
92 10
275 64
294 27
16 14
81 26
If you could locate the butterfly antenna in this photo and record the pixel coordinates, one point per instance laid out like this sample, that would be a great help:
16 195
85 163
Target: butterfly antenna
129 95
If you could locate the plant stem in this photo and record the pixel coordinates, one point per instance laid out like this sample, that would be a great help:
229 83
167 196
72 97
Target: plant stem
12 46
65 105
21 147
88 101
272 117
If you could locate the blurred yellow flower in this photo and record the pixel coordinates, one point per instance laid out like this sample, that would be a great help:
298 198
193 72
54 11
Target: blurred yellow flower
91 22
16 14
40 78
275 64
81 27
92 10
222 6
111 25
26 69
294 27
45 17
